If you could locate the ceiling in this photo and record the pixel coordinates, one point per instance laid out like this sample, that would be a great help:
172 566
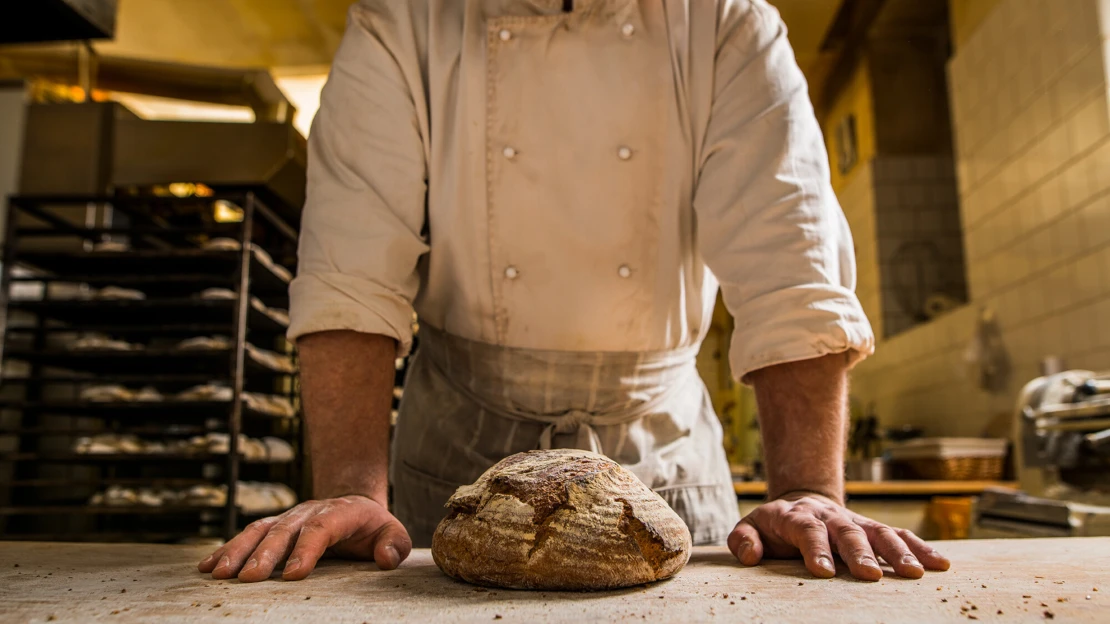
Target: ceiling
298 35
807 22
230 33
296 40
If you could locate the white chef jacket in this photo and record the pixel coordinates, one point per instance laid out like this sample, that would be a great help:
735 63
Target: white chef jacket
581 181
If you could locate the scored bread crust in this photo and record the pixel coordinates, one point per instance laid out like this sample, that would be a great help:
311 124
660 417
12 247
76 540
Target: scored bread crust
559 520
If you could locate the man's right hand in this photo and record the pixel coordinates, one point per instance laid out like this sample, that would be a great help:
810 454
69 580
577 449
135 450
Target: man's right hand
352 527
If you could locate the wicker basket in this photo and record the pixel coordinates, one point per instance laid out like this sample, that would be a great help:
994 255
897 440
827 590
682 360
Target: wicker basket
957 468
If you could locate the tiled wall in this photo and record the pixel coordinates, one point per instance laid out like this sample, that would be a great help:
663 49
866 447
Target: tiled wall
920 243
1032 124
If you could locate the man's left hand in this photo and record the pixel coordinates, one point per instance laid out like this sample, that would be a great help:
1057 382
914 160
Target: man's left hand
815 527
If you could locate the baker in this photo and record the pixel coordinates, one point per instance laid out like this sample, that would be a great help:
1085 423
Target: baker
558 189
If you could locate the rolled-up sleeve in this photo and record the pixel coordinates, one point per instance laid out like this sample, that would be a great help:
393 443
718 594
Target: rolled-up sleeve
769 225
361 235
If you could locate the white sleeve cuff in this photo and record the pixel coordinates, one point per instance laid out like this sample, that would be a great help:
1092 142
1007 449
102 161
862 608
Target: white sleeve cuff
334 301
801 323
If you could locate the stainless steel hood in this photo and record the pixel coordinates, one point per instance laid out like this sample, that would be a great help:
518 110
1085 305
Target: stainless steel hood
95 148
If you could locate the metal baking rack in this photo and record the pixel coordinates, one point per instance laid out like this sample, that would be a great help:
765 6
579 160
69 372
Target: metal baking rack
45 486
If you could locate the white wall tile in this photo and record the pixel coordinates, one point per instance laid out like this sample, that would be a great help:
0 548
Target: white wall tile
1081 79
1057 146
1039 248
1032 300
1029 94
1050 196
1077 186
1101 329
1089 124
1093 276
1030 213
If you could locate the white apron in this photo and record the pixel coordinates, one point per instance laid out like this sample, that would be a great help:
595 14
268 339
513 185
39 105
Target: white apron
467 405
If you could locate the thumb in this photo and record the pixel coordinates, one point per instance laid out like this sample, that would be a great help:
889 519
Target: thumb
392 545
744 542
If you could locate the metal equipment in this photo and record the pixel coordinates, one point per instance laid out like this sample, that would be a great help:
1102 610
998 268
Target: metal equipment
1062 450
99 149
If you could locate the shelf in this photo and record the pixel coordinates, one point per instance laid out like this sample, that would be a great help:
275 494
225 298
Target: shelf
14 510
141 430
168 384
212 230
184 330
161 431
150 312
165 482
163 410
152 458
108 362
153 286
167 264
270 206
104 267
891 488
127 537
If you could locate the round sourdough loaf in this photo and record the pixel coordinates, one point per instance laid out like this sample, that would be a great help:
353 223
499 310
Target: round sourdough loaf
559 519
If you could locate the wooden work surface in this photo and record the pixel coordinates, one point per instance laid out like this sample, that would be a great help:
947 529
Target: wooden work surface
892 488
151 583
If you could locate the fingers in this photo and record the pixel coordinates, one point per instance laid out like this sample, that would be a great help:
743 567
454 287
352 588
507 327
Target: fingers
894 550
744 542
817 527
811 537
352 526
853 547
317 535
925 553
334 522
275 546
392 545
209 563
226 561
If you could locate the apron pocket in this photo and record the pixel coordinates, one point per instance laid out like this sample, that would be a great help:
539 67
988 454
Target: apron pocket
418 501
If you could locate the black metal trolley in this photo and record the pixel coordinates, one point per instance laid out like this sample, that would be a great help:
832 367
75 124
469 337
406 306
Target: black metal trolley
45 486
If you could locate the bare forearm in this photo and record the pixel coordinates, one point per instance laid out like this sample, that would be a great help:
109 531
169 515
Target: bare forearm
803 419
347 385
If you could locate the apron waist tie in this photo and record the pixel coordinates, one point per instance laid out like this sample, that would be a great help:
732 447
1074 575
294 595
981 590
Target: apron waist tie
574 421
